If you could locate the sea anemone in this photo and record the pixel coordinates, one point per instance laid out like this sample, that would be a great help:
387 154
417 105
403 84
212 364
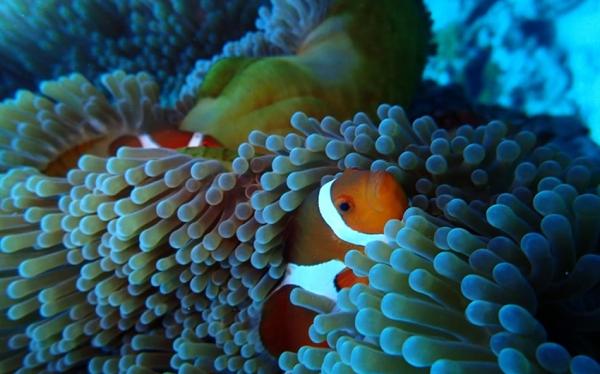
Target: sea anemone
293 60
490 269
71 117
333 58
130 261
153 260
159 260
280 31
43 40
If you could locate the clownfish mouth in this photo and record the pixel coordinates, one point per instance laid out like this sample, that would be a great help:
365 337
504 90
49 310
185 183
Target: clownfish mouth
336 223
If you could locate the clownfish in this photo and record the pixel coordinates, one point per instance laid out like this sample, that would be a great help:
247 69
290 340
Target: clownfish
108 146
167 138
344 213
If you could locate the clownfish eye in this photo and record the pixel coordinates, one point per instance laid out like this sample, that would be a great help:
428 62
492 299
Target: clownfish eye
344 206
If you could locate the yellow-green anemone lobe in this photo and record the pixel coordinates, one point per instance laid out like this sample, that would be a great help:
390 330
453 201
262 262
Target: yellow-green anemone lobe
363 53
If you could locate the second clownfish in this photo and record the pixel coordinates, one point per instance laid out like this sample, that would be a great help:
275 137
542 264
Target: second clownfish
345 213
168 138
108 146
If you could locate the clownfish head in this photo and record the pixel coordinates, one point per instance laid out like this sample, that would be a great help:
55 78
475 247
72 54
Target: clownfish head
346 212
357 205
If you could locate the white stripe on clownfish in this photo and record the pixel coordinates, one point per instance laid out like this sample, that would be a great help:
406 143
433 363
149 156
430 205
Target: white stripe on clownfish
147 141
319 277
335 221
314 278
197 140
167 138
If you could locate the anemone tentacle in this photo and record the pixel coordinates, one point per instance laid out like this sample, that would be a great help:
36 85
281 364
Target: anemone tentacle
491 268
71 117
153 260
156 259
43 40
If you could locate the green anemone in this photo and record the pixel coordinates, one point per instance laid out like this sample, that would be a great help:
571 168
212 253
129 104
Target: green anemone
342 64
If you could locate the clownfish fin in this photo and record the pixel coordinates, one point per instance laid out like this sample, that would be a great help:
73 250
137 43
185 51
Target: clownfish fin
346 278
283 325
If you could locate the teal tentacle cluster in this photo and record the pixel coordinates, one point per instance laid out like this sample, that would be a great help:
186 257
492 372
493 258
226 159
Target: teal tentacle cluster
290 174
43 40
153 260
142 261
491 269
75 298
38 129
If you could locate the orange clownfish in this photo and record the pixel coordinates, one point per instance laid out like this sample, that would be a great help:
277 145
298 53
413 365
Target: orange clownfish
167 138
108 145
345 213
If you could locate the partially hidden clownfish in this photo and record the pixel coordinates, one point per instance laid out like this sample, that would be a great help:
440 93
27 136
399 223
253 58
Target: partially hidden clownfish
344 213
108 146
166 138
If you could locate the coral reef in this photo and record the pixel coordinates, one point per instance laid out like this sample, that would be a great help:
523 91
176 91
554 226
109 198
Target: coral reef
538 57
505 52
41 40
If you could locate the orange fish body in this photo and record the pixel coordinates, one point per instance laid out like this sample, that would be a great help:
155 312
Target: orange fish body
277 333
167 138
346 279
309 240
107 146
344 213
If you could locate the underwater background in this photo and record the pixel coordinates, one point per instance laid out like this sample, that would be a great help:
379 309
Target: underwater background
121 257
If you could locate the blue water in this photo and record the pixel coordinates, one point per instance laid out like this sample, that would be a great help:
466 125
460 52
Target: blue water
534 56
